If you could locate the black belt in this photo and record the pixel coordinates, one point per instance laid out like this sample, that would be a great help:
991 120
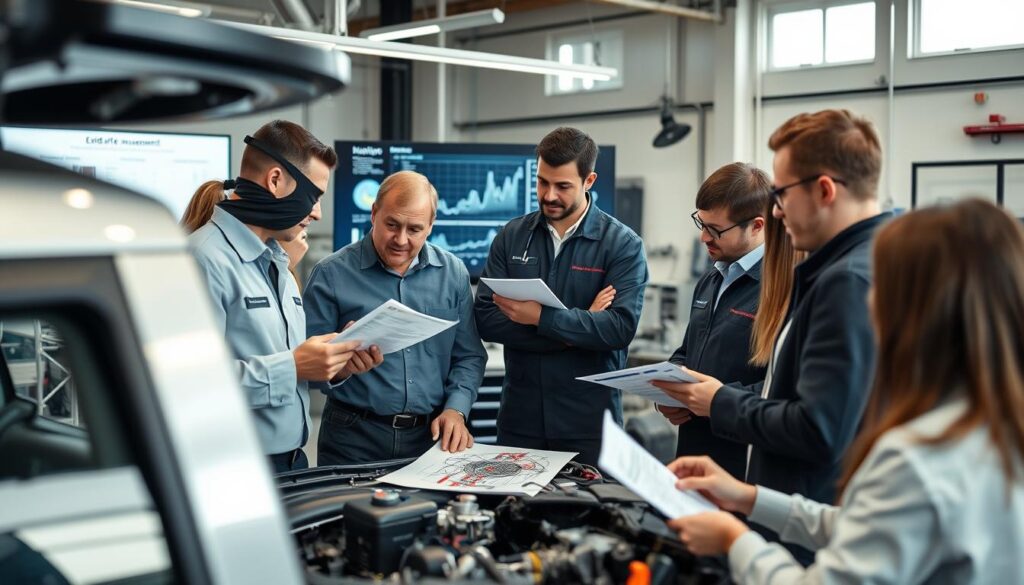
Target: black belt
403 420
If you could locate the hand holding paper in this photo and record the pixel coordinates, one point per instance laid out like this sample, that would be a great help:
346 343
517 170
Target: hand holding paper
711 533
640 381
393 327
696 393
638 470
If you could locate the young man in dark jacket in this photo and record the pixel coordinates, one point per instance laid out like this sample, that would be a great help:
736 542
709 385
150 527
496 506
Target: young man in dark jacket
730 214
801 420
578 250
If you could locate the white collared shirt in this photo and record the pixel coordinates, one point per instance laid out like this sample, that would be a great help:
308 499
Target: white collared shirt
559 240
731 271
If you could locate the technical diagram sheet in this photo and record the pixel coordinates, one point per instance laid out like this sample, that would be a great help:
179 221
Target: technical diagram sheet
625 460
393 327
483 469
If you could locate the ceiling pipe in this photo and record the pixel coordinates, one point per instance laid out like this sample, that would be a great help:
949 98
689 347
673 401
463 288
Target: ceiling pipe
669 9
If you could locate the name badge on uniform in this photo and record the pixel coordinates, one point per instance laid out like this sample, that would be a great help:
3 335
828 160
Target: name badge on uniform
297 300
700 304
524 259
257 303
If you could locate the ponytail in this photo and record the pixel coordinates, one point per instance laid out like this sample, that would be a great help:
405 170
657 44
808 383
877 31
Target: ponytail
200 208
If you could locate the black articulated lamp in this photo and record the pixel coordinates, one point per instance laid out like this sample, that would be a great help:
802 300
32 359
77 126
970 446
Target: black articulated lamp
671 131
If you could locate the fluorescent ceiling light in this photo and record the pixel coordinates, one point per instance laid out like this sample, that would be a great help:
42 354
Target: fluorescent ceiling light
433 26
403 33
170 7
433 54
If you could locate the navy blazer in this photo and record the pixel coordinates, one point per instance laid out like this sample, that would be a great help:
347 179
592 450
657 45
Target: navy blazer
540 395
821 377
717 343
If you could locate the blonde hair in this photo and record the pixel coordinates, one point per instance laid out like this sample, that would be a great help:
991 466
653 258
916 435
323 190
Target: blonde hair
200 207
780 258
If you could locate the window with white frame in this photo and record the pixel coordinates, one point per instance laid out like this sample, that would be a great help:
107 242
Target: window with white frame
957 26
602 48
813 34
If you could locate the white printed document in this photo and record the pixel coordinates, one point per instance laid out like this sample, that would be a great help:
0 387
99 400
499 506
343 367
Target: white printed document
393 327
625 460
638 381
482 469
524 289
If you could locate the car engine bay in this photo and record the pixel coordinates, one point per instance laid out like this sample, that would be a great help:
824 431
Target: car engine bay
580 529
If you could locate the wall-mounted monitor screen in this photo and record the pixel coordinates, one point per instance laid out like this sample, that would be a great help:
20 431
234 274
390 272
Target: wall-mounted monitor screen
480 187
167 167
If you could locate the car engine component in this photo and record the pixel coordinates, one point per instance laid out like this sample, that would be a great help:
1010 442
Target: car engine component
580 529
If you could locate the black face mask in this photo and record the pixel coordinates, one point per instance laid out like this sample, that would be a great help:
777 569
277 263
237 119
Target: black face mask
259 207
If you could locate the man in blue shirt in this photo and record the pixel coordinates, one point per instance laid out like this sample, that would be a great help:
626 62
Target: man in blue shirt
423 393
731 205
284 172
578 250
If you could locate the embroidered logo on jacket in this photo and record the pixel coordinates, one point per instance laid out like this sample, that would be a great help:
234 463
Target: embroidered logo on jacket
743 313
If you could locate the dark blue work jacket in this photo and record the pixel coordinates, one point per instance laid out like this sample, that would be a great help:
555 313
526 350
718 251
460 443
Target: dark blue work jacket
717 343
822 374
541 396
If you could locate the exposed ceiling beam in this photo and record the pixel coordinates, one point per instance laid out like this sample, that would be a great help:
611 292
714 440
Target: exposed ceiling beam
664 8
508 7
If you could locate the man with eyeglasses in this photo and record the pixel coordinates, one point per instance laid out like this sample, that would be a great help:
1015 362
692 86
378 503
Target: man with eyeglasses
800 422
730 216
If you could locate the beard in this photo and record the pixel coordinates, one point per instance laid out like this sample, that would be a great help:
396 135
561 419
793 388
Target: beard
560 212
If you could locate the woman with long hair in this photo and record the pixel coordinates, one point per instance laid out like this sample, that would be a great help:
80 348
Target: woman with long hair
776 287
933 490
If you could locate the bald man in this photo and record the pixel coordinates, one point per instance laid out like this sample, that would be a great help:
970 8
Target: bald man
398 405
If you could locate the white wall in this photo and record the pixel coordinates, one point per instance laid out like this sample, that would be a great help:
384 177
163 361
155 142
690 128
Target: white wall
926 123
919 123
670 176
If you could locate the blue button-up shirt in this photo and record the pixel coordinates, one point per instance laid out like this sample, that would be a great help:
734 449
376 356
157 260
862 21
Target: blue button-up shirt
261 327
443 371
731 271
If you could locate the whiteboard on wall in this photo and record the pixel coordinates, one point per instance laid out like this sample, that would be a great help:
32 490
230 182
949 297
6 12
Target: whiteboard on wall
167 167
998 181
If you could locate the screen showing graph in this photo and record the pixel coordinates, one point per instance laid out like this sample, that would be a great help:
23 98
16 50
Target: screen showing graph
480 187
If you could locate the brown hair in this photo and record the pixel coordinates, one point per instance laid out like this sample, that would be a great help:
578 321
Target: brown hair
296 144
200 207
740 188
948 308
833 141
407 184
780 258
564 145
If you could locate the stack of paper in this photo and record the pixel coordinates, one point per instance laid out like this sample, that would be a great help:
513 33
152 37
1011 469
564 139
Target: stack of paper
393 327
638 381
524 289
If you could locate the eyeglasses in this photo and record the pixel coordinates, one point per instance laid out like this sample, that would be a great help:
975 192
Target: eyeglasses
714 232
777 192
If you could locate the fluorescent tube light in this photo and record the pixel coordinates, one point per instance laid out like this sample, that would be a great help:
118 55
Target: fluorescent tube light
405 33
433 26
169 7
433 54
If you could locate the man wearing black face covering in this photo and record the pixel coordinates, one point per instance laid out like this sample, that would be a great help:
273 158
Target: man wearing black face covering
284 172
